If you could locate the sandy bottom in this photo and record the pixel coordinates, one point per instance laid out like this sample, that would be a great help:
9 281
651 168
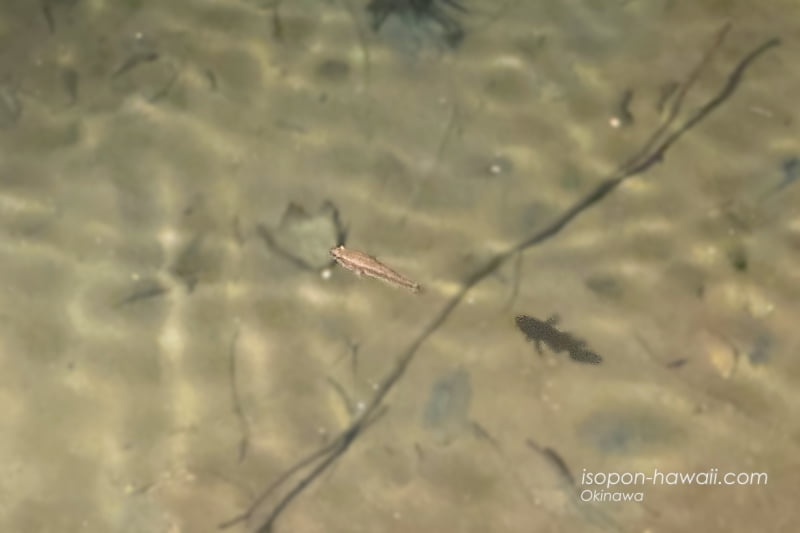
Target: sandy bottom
161 365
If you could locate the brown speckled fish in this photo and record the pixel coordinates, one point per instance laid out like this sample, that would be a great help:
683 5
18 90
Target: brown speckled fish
363 264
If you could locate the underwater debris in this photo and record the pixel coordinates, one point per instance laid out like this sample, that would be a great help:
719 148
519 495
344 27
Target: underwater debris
134 60
47 8
435 11
447 410
790 169
304 239
559 341
554 459
10 106
737 257
70 79
759 353
236 400
189 266
622 116
149 289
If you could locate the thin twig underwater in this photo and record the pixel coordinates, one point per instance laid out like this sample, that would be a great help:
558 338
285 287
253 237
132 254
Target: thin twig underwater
651 152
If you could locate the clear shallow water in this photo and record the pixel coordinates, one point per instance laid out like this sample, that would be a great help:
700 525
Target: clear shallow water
144 145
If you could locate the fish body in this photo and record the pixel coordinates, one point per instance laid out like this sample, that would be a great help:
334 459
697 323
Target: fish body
366 265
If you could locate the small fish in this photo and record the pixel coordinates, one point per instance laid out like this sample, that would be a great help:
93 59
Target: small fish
363 264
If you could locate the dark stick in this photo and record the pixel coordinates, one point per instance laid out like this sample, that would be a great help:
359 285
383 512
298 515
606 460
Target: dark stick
236 400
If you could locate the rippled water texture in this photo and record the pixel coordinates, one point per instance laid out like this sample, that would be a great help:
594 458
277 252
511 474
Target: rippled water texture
174 335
